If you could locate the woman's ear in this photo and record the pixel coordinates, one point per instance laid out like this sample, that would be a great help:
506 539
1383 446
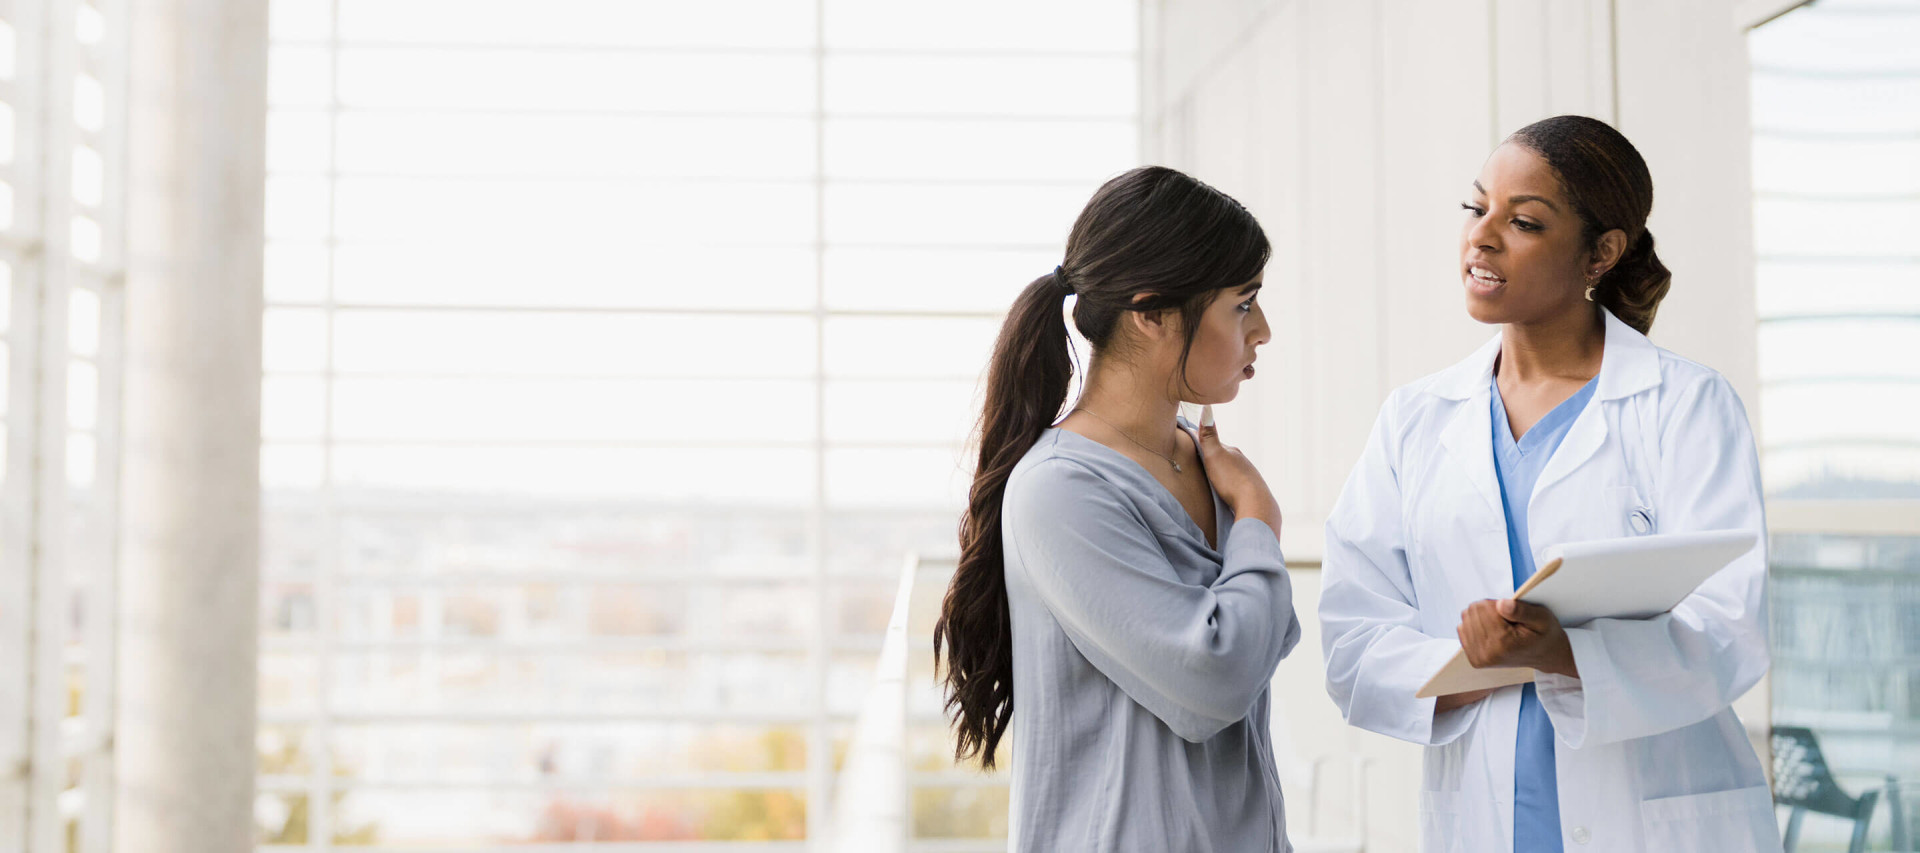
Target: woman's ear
1606 252
1151 325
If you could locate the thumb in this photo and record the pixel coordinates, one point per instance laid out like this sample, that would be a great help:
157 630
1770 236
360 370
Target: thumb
1208 431
1522 613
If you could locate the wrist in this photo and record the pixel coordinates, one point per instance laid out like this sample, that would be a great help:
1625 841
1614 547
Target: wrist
1267 510
1561 662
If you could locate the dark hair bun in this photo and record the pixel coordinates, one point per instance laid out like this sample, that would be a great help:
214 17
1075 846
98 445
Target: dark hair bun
1611 189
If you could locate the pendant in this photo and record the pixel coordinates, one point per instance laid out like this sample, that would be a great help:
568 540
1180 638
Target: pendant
1177 469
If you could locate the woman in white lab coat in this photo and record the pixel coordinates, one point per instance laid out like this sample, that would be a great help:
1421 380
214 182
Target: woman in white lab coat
1569 425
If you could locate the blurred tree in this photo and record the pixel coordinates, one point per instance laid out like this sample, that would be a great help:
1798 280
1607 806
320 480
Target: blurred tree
743 815
284 755
960 812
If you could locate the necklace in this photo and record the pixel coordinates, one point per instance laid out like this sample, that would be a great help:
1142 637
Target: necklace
1123 434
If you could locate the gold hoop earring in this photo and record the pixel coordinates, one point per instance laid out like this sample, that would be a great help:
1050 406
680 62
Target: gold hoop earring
1589 293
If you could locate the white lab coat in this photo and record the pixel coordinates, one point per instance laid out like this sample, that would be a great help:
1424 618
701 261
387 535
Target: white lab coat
1648 752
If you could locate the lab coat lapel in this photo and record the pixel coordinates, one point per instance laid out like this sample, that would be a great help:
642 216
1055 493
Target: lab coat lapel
1468 434
1628 366
1584 438
1468 438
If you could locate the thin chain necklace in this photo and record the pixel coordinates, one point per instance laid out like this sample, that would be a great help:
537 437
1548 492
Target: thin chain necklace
1123 434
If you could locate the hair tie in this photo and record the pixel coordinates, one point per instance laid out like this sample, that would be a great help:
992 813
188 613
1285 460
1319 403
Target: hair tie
1060 278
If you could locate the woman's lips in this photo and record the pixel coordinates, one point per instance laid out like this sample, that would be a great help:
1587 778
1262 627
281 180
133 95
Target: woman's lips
1482 281
1247 371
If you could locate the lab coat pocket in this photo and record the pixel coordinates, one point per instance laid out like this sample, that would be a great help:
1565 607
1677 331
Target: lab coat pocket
1737 820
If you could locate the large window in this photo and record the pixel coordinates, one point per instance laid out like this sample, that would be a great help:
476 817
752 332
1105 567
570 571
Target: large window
1836 113
62 155
618 355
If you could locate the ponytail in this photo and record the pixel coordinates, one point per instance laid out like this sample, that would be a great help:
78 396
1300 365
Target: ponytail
1027 383
1632 290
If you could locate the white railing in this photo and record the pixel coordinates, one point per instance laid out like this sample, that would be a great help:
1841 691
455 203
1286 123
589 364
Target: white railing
1306 836
871 802
874 799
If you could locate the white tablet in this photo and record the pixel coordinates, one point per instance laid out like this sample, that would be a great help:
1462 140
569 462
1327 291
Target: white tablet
1629 578
1632 578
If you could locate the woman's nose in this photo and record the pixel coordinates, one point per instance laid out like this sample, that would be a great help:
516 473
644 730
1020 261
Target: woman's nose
1481 234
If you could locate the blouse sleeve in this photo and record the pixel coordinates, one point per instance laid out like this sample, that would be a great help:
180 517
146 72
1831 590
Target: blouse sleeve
1197 657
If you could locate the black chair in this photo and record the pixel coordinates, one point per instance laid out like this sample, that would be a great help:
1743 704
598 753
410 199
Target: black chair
1802 781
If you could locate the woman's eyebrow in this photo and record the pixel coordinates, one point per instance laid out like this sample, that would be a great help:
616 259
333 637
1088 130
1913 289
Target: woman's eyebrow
1252 287
1511 200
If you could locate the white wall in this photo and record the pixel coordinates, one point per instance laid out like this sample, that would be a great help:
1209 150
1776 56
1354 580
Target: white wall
1352 129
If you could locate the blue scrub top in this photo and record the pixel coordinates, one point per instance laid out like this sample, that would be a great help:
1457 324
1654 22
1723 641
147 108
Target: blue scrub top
1536 793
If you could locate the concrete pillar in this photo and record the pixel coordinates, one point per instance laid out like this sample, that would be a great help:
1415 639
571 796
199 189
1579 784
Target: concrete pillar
189 585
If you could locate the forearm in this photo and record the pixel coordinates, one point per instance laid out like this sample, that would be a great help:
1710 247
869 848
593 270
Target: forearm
1452 701
1266 509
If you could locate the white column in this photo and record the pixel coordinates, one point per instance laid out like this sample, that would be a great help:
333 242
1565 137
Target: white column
191 486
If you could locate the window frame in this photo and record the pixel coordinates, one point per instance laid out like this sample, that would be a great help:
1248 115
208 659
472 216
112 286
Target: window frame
825 643
40 564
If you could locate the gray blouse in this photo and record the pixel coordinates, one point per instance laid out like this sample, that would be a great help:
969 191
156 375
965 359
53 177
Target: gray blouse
1141 661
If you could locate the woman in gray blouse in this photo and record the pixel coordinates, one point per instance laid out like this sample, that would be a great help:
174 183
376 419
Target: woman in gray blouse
1120 572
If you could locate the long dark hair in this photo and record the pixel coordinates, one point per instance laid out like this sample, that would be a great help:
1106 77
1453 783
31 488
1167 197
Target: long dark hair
1610 187
1151 231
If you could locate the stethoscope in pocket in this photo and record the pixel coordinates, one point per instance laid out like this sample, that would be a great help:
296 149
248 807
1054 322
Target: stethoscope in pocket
1641 520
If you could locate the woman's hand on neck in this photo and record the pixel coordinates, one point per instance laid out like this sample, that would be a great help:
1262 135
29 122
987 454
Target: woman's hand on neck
1566 346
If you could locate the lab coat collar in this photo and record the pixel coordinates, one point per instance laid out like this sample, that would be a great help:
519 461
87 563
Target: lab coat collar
1631 364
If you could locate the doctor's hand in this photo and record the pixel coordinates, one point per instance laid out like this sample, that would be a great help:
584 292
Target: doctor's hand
1234 478
1496 633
